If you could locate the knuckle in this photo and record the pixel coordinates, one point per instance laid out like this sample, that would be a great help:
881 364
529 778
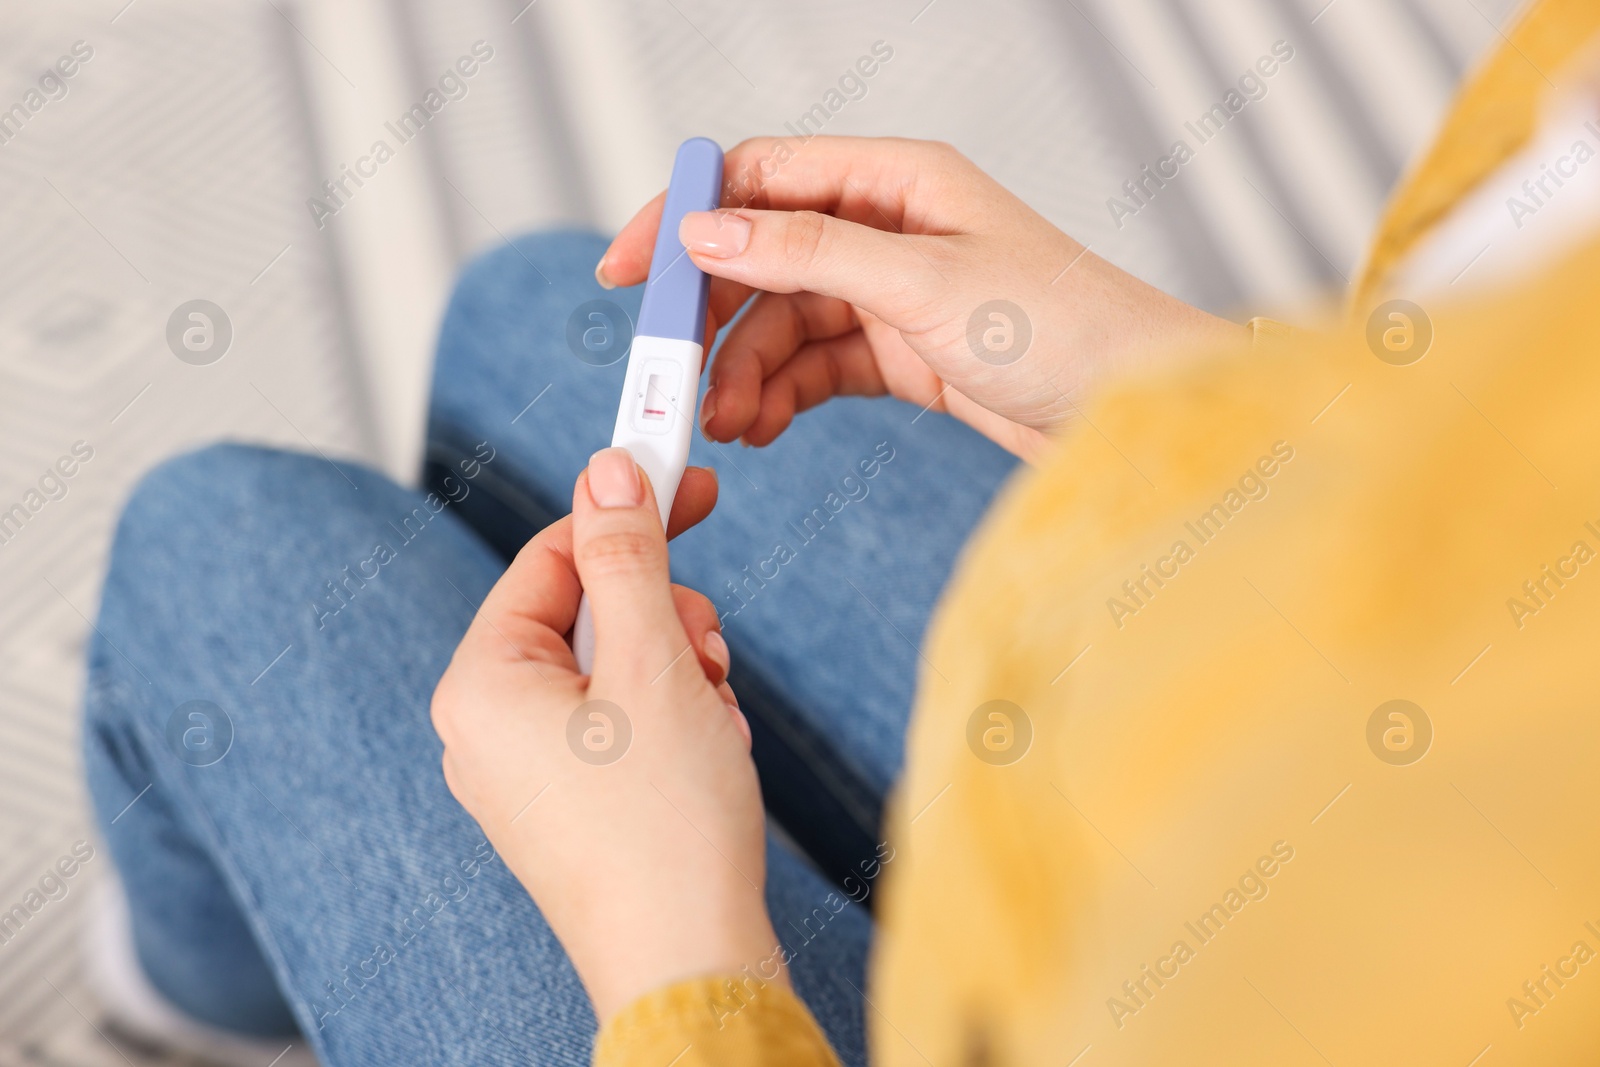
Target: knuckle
696 605
458 788
619 552
802 239
441 711
947 164
947 259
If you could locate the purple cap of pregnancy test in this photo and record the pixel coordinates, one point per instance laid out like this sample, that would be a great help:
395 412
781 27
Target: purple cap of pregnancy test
675 295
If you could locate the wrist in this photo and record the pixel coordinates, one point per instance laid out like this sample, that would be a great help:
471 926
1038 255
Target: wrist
676 944
1156 327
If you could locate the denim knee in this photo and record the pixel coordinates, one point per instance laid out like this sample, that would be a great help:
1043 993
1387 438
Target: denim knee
514 302
198 527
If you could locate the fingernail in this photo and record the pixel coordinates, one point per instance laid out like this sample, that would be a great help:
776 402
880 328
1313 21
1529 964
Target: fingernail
716 650
708 410
600 275
714 233
614 479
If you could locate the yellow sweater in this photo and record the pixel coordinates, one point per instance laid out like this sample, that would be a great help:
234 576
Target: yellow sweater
1295 760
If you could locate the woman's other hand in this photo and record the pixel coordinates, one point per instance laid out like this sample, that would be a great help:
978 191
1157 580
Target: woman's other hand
895 267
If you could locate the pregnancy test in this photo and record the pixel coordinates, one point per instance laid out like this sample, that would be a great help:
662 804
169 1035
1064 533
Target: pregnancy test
660 392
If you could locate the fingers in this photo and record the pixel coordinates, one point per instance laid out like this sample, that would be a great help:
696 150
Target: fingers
739 720
700 621
819 371
627 260
623 266
533 605
890 275
756 346
887 183
621 554
697 495
867 179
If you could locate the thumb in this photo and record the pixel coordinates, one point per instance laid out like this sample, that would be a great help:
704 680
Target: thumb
794 251
621 554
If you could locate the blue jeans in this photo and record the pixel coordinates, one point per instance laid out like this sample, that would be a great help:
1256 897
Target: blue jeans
257 739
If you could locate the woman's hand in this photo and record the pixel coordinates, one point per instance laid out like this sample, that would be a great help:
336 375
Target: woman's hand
879 264
625 801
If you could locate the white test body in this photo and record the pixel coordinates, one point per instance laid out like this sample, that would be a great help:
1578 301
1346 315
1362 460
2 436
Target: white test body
654 421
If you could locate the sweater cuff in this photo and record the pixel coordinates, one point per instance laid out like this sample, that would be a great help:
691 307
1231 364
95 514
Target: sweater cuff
705 1021
1267 335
